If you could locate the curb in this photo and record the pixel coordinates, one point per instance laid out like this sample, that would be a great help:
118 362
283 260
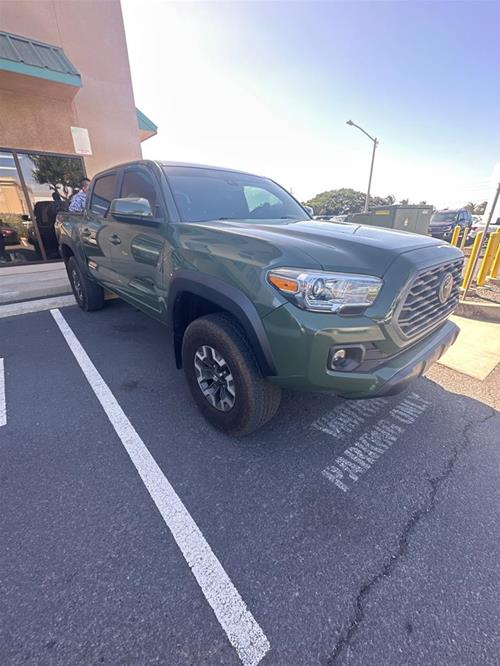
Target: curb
482 311
36 305
21 296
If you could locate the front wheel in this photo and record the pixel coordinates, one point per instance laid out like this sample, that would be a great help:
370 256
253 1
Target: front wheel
88 294
224 378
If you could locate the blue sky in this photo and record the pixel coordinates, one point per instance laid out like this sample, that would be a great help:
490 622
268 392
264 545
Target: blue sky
268 86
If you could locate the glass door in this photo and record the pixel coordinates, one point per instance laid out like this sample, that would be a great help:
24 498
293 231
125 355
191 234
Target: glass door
14 216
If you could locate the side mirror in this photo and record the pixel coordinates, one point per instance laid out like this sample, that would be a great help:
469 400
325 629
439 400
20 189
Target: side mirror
132 208
310 210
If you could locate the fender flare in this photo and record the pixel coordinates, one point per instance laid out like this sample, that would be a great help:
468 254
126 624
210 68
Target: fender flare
67 241
228 298
77 251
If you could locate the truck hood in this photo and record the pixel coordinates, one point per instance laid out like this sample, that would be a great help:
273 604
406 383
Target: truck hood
353 248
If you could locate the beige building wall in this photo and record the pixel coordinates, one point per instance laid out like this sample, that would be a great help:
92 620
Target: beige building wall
11 197
37 115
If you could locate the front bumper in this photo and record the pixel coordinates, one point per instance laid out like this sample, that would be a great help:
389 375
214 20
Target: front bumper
301 354
413 363
441 232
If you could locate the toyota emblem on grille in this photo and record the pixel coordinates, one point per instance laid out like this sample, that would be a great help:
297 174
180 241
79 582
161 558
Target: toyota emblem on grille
446 287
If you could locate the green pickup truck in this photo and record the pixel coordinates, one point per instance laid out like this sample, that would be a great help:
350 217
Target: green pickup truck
259 296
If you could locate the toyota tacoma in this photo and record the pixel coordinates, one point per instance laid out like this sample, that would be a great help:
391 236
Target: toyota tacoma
260 297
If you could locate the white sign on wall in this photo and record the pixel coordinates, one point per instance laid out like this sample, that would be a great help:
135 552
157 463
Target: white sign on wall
81 140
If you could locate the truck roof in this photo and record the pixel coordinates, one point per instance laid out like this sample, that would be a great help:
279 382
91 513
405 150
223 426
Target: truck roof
201 166
169 163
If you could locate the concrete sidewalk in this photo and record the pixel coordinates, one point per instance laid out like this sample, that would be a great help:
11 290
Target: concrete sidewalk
476 352
30 281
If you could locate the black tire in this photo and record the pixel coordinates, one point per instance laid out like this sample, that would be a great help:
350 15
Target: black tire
256 400
88 294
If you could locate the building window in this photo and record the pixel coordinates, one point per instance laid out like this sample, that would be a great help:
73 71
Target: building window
33 188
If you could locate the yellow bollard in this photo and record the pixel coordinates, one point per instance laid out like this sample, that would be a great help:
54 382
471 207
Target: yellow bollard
489 256
472 259
464 237
495 269
455 235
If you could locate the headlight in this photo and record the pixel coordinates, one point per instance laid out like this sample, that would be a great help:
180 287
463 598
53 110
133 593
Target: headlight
321 291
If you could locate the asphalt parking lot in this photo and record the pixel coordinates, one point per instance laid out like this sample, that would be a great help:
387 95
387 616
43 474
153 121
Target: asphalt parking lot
345 533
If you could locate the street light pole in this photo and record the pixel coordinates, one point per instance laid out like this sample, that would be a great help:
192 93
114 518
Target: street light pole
375 144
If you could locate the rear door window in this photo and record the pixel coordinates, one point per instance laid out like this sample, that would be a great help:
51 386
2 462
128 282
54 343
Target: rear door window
103 194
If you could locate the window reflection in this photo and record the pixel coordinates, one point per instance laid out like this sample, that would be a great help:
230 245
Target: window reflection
14 215
51 181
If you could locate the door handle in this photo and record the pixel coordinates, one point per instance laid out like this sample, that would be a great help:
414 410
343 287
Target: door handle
116 240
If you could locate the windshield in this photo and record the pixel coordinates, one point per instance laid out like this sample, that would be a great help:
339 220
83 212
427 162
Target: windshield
445 216
204 195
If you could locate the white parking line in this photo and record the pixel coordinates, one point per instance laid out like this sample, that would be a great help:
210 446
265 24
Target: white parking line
3 401
241 628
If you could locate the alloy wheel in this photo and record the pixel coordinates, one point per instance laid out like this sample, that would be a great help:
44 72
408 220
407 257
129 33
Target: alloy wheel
77 286
215 378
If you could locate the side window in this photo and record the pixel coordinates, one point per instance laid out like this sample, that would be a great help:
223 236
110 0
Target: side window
138 183
102 194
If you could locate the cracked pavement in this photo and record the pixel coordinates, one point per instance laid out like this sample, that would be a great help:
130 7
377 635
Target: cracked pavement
346 639
402 569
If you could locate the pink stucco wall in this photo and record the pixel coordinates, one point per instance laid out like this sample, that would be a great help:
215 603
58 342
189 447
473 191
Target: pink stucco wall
37 115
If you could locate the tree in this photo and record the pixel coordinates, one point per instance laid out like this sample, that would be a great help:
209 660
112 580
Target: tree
389 200
476 209
61 174
344 201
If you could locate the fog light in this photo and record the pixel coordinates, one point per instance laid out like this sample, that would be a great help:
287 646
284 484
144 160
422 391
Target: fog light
339 357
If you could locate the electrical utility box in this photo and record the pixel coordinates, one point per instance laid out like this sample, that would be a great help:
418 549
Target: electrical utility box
398 216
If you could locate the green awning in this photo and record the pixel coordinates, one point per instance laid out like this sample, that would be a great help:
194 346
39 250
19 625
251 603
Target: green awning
147 128
145 123
26 56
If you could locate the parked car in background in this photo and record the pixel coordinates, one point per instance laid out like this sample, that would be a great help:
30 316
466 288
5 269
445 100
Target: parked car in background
480 225
9 234
444 221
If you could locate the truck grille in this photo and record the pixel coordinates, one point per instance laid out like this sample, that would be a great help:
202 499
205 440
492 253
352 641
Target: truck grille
423 308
